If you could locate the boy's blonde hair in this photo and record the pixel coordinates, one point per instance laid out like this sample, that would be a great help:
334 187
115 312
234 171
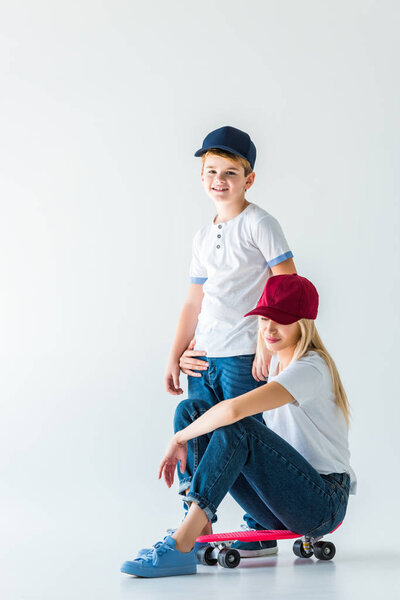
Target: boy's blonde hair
225 154
310 340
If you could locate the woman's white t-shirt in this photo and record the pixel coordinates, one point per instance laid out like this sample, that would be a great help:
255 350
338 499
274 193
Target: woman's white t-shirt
313 423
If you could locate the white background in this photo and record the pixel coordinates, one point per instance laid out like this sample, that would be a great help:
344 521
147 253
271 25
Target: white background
102 106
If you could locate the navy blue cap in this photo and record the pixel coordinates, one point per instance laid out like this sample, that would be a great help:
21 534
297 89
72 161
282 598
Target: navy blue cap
232 140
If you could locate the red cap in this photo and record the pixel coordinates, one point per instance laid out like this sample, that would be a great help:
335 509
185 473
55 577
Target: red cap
286 299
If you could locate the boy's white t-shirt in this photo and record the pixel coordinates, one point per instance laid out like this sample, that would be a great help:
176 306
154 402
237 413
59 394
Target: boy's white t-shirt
233 261
313 423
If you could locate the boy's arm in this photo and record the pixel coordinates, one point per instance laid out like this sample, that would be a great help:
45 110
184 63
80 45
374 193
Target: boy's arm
286 267
184 333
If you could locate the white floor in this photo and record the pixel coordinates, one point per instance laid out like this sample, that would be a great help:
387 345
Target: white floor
51 569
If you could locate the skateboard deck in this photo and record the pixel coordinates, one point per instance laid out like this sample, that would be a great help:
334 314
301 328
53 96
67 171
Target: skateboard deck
249 536
261 535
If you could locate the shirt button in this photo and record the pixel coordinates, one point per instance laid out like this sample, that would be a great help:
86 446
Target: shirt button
219 235
219 226
218 246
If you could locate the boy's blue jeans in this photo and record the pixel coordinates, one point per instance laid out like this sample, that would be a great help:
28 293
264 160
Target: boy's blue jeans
266 476
225 378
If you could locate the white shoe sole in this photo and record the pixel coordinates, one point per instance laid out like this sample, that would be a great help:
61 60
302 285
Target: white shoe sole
255 553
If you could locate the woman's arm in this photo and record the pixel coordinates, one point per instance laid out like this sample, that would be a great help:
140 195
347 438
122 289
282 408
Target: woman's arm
269 396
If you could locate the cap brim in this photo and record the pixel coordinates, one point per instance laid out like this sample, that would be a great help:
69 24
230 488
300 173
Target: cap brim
231 150
274 314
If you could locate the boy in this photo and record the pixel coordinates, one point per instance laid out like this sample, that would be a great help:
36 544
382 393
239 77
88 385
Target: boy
233 256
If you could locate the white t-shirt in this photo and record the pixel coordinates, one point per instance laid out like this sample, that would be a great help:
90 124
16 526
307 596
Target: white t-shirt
233 261
313 423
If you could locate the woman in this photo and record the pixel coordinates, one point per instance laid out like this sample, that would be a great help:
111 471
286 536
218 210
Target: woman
293 473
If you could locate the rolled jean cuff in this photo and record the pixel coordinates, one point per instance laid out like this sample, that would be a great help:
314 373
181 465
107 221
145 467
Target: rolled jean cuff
184 484
204 505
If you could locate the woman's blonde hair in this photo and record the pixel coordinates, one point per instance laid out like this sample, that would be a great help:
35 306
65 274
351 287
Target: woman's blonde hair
225 154
310 340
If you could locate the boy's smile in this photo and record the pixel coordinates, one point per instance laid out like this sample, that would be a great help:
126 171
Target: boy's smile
219 189
224 179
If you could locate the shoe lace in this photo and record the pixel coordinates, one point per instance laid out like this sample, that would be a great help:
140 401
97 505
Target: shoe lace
170 531
247 528
158 551
151 550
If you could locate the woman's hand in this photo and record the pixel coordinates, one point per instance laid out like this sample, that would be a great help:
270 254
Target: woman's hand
261 362
175 452
188 362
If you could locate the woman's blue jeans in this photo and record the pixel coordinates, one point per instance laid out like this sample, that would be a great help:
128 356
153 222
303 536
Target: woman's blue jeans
225 378
266 476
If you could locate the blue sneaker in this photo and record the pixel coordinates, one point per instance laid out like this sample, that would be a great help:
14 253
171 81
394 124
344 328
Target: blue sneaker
144 551
165 560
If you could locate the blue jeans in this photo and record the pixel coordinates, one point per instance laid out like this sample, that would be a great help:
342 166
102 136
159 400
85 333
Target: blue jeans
266 476
225 378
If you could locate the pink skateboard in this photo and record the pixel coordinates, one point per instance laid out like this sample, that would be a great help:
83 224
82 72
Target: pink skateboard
218 549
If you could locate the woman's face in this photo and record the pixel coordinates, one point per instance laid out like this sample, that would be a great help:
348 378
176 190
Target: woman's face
278 337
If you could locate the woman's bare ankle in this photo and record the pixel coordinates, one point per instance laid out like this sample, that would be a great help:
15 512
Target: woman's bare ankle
207 529
182 547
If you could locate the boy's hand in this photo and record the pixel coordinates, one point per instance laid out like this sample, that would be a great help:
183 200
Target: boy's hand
171 378
188 362
261 364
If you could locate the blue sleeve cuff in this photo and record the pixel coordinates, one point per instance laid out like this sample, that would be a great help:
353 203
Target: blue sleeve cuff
200 280
279 259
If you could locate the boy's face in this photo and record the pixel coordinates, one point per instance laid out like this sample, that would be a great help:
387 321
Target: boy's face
224 180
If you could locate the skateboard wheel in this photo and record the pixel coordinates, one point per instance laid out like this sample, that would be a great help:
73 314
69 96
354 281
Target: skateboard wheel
229 558
205 557
324 550
299 550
